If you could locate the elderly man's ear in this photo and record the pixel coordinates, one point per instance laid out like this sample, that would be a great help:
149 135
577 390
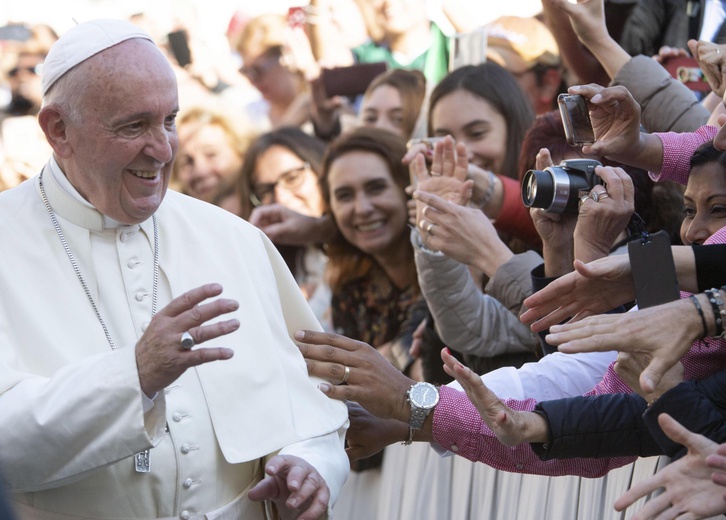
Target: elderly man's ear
53 124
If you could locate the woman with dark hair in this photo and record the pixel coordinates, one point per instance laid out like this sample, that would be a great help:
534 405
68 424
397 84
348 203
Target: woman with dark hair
493 133
371 271
281 170
370 268
483 107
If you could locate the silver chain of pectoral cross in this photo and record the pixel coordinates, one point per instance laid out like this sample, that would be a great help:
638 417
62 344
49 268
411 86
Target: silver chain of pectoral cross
142 460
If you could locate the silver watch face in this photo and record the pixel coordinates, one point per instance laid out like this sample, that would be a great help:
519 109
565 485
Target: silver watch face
424 395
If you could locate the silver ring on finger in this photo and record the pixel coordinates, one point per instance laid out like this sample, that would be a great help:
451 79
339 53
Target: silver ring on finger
187 341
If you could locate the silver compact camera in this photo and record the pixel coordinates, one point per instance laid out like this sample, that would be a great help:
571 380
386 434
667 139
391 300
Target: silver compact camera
558 189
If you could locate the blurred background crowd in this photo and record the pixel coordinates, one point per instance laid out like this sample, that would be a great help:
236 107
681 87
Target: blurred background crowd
324 162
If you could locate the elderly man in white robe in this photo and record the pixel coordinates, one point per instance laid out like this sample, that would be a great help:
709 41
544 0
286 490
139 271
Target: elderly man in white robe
129 388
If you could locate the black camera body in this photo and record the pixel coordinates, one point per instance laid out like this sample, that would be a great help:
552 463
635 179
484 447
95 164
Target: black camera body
558 189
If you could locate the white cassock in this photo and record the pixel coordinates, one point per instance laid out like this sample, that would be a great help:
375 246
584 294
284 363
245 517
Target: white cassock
71 409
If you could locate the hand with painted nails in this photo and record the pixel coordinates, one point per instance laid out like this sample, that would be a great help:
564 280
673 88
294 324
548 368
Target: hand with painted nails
373 381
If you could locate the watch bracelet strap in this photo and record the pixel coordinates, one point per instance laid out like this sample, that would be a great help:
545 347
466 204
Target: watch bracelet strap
418 416
409 441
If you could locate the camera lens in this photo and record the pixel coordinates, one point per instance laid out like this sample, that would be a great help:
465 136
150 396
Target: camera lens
557 189
537 189
548 189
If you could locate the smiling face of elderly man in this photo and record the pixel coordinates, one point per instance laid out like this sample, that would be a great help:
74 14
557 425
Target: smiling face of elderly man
111 123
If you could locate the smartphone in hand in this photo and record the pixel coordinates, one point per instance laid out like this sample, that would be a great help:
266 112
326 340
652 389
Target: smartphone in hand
576 118
350 81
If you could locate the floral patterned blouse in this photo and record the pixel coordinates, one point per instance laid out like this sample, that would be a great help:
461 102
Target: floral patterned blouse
372 309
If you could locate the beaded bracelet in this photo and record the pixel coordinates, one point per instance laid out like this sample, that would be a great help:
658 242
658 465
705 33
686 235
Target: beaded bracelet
714 298
700 313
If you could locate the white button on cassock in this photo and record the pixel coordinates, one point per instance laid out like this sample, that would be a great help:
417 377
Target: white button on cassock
185 515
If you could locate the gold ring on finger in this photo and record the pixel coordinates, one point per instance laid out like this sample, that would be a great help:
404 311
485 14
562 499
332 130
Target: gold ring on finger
346 375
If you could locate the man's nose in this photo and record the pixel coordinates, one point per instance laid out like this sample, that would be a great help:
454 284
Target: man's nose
159 145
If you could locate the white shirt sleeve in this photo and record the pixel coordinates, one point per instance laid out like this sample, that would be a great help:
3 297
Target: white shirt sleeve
555 376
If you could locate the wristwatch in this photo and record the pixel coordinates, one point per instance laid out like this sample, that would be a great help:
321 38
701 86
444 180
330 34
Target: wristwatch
422 397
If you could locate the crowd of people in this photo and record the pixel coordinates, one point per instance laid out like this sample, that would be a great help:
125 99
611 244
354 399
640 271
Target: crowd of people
233 249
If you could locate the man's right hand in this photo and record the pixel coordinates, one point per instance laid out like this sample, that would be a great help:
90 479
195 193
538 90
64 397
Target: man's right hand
160 358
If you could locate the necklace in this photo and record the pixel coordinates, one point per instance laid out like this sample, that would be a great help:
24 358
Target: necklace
77 270
142 462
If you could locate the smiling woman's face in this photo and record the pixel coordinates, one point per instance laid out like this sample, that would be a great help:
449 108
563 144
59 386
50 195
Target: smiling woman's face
206 159
293 183
383 108
368 206
473 121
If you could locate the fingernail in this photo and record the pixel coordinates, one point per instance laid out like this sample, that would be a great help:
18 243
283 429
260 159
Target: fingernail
324 387
415 194
299 334
448 351
292 502
555 328
596 98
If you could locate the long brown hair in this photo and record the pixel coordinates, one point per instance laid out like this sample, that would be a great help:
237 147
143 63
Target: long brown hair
345 261
497 86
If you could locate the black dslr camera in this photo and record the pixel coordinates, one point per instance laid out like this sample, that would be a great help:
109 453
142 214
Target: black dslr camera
558 189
